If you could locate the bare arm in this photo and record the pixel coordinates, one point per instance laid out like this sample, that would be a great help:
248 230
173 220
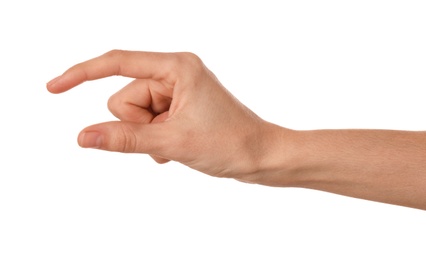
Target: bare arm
379 165
176 109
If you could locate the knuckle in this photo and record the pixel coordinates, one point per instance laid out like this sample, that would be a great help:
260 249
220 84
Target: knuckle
184 61
115 53
113 103
190 59
116 56
187 64
118 107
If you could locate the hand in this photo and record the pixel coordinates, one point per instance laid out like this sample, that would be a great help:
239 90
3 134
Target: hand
175 109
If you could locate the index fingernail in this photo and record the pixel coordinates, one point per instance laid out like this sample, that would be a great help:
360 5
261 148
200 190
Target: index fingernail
53 81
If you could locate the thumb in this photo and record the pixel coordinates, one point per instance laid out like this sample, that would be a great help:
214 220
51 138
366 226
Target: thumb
123 137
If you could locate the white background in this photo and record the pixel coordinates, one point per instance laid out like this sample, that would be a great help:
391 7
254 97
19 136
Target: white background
300 64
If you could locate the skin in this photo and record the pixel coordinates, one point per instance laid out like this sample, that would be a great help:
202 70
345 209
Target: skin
176 109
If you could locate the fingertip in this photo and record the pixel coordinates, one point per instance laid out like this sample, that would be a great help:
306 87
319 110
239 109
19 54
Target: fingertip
53 81
52 85
52 90
90 139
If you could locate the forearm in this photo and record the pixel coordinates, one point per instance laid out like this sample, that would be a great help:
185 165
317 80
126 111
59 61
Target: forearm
379 165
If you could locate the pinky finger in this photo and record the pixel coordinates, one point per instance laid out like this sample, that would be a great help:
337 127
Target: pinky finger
159 159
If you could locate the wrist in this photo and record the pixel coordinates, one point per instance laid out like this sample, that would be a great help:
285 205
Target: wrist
278 157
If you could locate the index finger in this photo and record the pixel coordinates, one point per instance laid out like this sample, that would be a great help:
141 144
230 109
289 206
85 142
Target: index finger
135 64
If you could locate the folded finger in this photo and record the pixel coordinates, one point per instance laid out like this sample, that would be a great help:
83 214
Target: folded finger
140 101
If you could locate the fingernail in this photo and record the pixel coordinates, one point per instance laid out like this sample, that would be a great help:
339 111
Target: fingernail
53 81
90 140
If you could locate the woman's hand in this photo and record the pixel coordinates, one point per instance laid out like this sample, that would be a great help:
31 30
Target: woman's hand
175 109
